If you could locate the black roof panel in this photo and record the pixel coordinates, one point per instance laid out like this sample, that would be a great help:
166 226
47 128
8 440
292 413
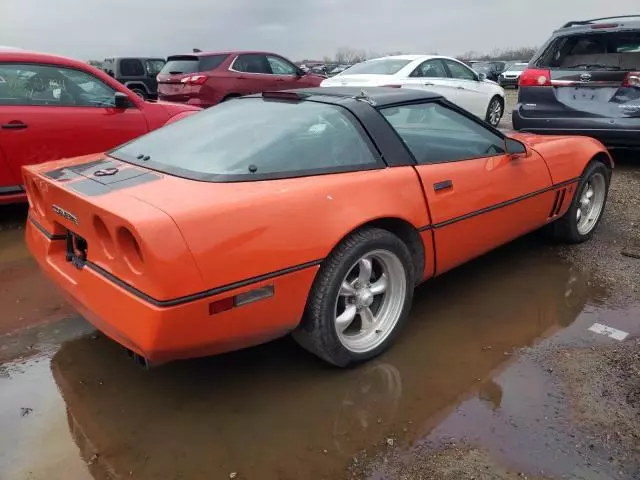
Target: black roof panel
381 96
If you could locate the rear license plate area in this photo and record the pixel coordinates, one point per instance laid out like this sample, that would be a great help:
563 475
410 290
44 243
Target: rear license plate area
76 250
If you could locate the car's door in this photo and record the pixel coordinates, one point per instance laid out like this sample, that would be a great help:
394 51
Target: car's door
253 74
431 76
470 94
478 195
49 112
285 73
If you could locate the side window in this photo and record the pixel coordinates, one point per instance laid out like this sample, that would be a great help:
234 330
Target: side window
252 63
431 69
211 62
279 66
459 71
154 66
32 84
434 133
131 67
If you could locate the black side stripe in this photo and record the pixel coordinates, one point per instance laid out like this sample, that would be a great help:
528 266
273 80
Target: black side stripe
503 204
198 296
45 232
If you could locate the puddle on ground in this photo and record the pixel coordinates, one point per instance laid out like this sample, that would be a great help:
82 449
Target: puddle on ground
276 412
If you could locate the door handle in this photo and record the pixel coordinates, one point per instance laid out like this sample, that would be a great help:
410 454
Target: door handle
429 84
444 185
461 88
14 125
279 79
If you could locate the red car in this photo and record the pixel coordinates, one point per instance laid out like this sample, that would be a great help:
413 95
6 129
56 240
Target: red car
53 107
206 79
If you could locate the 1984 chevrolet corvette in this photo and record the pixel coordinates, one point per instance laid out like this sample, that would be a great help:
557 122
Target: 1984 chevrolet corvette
311 211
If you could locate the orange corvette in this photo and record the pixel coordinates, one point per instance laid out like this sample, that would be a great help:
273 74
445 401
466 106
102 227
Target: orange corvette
314 212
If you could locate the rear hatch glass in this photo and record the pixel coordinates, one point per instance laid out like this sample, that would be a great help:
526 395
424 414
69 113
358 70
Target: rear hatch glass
592 73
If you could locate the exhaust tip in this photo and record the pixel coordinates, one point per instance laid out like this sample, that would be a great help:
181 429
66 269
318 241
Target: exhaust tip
139 360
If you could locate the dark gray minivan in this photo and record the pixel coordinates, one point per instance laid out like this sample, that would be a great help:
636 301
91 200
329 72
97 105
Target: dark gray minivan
585 80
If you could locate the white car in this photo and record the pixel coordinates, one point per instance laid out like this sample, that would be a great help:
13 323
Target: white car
511 75
442 75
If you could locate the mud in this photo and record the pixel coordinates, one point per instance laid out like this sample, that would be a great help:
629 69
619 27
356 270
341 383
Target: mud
496 376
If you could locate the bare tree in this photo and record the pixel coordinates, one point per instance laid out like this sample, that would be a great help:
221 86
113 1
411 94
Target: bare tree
350 56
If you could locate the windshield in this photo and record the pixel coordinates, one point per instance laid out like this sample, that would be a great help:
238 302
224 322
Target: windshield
518 67
383 66
254 136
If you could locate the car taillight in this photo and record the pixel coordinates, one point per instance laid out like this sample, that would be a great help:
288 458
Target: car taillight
535 77
631 80
194 80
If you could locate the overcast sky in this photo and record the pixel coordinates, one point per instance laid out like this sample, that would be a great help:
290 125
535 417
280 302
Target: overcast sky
94 29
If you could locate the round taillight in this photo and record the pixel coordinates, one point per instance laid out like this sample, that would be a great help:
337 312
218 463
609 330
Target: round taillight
633 80
130 250
104 237
542 80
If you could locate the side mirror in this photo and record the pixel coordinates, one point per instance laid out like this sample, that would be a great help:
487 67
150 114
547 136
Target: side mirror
482 77
300 72
121 100
514 147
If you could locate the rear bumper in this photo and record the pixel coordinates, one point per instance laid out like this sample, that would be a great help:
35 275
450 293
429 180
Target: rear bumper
159 333
612 132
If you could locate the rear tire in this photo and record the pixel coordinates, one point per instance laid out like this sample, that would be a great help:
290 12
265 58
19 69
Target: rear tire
495 111
586 209
359 300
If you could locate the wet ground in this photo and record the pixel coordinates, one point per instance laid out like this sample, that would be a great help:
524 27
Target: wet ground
496 376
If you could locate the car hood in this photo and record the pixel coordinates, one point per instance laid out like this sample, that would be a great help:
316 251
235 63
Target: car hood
175 108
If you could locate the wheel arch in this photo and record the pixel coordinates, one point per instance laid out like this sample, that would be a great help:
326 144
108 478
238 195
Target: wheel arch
136 84
405 231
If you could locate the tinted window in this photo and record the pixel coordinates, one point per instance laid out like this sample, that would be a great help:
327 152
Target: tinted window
383 66
211 62
614 49
252 63
253 136
154 66
430 68
435 133
180 65
459 71
32 84
279 66
131 67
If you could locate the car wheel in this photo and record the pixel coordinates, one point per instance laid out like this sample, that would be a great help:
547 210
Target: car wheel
140 93
587 206
494 112
360 298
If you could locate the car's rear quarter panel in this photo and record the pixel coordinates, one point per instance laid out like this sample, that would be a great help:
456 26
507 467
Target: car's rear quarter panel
237 231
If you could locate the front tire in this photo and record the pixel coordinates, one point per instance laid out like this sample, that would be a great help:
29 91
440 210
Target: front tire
359 300
495 111
585 212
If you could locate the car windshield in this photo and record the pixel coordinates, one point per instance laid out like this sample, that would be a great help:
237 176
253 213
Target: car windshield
517 67
254 136
383 66
482 67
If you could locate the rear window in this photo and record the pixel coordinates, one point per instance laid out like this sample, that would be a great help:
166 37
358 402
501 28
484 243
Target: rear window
384 66
192 64
616 50
253 137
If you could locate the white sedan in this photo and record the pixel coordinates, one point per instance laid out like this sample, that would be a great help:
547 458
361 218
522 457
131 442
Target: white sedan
442 75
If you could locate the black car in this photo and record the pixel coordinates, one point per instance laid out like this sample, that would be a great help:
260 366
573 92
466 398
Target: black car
491 69
585 80
136 73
